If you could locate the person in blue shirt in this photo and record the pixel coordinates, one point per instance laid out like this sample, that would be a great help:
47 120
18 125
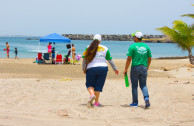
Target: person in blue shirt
53 54
16 53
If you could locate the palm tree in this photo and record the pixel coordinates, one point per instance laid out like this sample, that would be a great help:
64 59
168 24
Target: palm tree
182 34
189 15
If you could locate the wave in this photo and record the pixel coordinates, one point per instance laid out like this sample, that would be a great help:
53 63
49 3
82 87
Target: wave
36 51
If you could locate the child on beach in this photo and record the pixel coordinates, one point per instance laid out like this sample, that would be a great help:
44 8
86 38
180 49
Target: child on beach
53 54
140 55
95 67
16 53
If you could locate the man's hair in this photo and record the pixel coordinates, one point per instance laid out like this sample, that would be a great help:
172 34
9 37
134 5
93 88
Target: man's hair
72 44
140 39
15 48
6 42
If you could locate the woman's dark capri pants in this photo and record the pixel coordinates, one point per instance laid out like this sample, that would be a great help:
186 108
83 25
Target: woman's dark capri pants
95 77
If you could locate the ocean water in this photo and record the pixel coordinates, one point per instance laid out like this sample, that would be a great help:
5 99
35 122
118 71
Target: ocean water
118 49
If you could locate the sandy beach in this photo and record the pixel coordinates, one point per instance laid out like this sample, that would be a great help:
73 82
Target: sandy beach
32 94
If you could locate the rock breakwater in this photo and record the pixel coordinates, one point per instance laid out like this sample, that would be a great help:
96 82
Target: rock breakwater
146 38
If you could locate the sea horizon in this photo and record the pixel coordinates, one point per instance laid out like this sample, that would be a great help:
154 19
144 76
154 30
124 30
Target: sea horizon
118 49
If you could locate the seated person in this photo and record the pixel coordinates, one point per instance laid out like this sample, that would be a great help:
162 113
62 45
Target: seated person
67 56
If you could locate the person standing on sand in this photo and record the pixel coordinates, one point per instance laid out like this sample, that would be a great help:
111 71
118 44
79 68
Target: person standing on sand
73 52
16 53
53 55
49 48
95 67
7 49
140 55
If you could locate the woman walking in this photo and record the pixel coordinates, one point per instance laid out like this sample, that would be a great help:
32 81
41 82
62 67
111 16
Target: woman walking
95 67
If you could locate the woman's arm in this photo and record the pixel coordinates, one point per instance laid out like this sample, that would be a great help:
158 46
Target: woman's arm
113 66
83 64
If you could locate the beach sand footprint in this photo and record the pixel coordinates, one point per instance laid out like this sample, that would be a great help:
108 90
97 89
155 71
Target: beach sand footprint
187 82
62 112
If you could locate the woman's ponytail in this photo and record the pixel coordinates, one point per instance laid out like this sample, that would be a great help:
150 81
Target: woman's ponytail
91 51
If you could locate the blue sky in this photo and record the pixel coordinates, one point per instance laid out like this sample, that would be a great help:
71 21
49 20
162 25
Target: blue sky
42 17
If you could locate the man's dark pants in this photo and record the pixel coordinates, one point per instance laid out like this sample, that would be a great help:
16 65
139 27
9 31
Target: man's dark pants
139 73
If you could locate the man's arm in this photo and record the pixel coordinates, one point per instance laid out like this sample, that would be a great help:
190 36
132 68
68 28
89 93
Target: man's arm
149 61
128 61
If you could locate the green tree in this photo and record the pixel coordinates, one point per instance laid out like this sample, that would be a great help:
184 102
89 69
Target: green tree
188 15
182 34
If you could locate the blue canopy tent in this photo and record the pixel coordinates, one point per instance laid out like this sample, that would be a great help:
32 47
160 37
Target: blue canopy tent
54 38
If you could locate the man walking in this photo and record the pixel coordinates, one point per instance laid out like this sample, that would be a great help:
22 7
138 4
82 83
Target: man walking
140 55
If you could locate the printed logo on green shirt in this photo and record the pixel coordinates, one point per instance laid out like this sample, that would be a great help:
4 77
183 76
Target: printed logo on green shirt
141 50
